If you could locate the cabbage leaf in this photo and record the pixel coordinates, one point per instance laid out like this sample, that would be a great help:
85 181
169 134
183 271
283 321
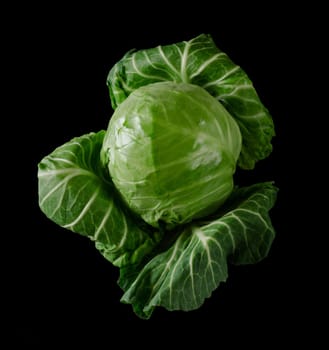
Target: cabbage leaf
181 277
76 193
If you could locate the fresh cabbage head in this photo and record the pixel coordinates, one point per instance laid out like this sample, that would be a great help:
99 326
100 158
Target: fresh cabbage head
171 150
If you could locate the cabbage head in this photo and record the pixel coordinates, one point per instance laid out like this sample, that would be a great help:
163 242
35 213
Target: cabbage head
171 149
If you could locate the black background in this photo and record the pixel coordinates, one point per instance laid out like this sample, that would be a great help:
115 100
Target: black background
60 289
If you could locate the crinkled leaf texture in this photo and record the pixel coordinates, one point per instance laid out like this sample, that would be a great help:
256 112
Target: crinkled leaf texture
199 61
182 276
76 193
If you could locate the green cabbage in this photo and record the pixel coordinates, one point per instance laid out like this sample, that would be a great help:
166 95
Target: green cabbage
155 191
172 150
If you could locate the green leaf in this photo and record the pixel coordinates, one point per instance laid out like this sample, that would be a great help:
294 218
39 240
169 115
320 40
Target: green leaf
200 62
76 193
184 275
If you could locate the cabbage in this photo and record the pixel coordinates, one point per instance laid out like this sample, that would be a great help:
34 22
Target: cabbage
155 191
172 150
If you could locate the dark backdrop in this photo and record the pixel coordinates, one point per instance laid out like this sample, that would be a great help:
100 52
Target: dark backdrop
60 289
